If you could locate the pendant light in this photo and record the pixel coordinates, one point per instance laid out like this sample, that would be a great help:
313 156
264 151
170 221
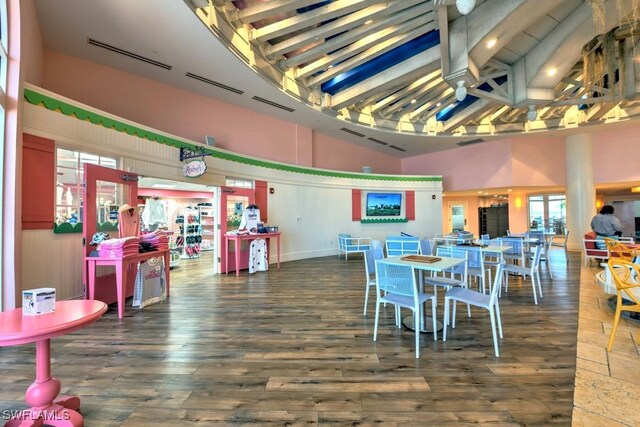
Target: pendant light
465 6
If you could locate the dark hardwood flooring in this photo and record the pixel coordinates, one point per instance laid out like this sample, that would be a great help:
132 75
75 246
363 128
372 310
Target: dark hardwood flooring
292 347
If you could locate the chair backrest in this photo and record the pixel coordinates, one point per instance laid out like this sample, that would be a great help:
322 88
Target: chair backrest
514 243
425 247
399 245
625 275
343 240
536 234
493 295
370 258
618 249
453 252
375 244
485 238
396 279
535 263
475 257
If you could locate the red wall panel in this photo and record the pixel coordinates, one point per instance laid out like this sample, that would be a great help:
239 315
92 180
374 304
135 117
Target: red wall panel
410 205
261 199
356 205
38 182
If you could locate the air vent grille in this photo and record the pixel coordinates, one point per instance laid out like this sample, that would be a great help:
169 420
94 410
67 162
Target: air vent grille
397 148
273 104
129 54
214 83
352 132
473 141
377 141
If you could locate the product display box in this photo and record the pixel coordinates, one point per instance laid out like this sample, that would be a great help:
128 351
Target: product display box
38 301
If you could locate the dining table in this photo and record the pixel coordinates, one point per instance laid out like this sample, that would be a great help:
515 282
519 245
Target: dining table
444 263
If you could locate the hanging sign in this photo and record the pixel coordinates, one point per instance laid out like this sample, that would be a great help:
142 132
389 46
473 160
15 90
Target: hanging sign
194 168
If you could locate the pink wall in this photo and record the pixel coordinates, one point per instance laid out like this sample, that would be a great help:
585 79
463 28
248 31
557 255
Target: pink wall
472 167
193 116
32 49
538 161
615 155
351 157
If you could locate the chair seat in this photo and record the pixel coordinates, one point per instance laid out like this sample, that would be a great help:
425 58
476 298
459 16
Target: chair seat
469 297
357 248
518 269
442 281
405 301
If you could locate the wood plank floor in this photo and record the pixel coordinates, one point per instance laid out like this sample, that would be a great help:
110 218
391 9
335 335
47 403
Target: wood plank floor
292 347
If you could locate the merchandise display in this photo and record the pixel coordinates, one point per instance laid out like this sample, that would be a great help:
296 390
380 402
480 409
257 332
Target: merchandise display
250 219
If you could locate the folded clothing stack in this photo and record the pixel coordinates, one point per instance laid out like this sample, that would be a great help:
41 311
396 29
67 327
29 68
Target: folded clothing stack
158 240
119 248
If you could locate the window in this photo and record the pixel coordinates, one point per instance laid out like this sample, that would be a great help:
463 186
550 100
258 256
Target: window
70 169
547 212
239 183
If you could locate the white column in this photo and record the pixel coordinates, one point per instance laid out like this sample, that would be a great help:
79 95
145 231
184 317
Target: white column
581 189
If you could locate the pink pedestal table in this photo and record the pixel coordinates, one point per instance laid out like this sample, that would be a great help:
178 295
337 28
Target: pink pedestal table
16 329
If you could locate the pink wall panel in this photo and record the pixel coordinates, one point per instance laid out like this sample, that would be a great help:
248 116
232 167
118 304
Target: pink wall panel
32 48
538 161
615 155
332 153
475 166
194 116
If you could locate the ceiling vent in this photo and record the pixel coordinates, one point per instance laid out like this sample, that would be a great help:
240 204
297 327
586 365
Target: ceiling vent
377 141
273 104
214 83
352 132
473 141
129 54
397 148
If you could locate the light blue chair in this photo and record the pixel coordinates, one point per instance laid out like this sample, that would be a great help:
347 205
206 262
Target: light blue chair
397 284
348 244
402 245
425 247
370 258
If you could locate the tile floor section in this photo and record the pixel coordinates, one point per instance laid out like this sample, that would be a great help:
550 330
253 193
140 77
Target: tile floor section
607 388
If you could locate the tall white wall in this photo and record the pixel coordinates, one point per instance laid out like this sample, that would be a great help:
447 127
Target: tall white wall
309 209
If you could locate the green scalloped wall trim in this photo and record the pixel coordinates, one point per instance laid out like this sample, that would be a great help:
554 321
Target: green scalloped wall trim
68 228
383 220
70 110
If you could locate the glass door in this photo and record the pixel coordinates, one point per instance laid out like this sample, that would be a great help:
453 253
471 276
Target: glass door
547 212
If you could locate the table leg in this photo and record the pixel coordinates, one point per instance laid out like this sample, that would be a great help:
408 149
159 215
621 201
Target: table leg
236 249
278 245
121 283
226 255
92 280
167 270
41 394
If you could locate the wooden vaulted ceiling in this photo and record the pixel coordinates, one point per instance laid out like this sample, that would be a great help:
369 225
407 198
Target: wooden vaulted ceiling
395 64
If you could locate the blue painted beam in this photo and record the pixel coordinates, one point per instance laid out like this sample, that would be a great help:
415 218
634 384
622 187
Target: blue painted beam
380 63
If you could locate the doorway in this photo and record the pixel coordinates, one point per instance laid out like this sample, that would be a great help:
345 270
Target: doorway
233 201
458 216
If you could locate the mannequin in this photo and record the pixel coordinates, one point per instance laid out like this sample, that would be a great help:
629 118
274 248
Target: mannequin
128 221
250 219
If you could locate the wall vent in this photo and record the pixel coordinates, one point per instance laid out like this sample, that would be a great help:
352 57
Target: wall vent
397 148
214 83
129 54
273 104
352 132
377 141
473 141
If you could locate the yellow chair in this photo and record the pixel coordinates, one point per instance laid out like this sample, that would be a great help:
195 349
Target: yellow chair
625 274
618 249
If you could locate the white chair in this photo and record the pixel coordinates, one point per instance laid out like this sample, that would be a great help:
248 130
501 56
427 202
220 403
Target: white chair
370 258
516 251
476 267
396 284
456 276
402 245
477 299
349 244
533 271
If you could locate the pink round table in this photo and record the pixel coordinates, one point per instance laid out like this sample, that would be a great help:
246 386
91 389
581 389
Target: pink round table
16 329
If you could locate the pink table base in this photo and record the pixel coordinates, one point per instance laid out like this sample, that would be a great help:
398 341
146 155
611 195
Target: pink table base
238 238
47 408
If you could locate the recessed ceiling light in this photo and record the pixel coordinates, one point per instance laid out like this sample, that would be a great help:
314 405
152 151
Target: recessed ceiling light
479 192
486 193
509 190
552 71
495 195
413 101
439 104
491 43
368 22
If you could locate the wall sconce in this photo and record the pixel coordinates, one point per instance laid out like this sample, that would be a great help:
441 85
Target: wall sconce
598 204
518 202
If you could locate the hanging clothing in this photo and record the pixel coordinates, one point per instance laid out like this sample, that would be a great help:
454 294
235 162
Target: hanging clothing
154 213
128 221
150 285
250 219
258 258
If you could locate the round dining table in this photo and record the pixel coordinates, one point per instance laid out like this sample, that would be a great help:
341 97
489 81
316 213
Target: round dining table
17 329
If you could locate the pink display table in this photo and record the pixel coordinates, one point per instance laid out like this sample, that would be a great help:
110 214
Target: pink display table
238 238
122 265
16 329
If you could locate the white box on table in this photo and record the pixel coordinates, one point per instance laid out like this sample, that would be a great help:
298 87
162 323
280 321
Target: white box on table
38 301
